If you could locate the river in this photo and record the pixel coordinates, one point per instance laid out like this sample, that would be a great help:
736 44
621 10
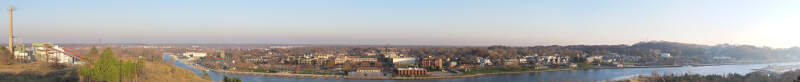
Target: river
570 75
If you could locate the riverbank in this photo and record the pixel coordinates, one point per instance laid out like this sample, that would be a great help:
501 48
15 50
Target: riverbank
189 64
377 77
548 74
755 76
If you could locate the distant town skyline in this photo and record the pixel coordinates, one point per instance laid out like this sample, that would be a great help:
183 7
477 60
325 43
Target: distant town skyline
409 22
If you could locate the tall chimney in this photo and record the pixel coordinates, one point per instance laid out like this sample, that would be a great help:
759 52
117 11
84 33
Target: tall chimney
11 30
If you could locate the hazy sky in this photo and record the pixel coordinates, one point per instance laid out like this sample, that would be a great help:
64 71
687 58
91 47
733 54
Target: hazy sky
409 22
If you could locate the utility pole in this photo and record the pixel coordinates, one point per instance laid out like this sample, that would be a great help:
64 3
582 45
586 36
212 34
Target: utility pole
11 30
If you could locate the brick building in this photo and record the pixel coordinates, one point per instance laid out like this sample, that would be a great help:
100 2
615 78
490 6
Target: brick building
411 71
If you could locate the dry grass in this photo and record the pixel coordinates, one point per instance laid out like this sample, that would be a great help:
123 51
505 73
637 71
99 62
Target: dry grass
17 68
36 72
152 72
160 72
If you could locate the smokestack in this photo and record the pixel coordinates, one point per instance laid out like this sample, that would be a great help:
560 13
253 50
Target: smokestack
11 30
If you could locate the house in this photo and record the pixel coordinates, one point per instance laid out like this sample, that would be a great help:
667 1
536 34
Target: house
523 60
553 60
511 62
591 59
484 61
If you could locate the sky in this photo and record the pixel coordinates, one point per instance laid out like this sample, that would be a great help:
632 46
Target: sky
772 23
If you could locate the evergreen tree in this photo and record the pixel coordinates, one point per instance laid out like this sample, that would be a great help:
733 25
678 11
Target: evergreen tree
92 54
93 51
108 68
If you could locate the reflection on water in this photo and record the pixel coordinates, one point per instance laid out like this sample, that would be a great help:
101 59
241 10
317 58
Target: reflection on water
571 75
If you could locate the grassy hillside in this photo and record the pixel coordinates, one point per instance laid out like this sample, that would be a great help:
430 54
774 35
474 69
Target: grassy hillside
152 71
159 72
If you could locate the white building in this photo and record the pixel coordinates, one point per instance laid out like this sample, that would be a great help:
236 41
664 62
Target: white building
61 57
52 53
484 61
342 60
323 56
21 55
523 60
392 54
594 58
195 55
410 60
362 59
666 55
